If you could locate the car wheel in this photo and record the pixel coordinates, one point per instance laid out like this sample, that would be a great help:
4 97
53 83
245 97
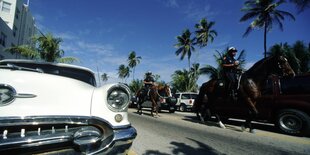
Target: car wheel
182 108
293 122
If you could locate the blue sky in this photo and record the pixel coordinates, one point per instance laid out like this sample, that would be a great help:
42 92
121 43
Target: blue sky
102 33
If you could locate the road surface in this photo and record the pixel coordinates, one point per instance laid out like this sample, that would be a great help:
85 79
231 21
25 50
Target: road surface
180 133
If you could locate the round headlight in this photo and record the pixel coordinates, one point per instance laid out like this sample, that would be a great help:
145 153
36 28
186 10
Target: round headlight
7 94
118 98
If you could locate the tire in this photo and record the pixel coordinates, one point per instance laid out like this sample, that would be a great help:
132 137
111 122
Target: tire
182 108
293 122
171 111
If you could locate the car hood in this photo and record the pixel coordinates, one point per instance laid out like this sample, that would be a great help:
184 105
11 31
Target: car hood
47 94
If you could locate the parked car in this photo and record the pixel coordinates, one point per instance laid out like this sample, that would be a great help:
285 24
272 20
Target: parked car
164 103
285 102
57 108
185 100
133 102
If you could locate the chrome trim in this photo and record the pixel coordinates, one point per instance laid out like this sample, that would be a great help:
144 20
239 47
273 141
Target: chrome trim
112 138
18 95
12 96
123 88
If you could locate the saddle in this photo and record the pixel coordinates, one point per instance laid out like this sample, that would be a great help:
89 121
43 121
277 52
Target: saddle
229 90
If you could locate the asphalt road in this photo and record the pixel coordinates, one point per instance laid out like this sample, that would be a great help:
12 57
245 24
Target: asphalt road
180 133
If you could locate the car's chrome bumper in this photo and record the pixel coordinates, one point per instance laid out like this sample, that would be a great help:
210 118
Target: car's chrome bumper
121 143
63 135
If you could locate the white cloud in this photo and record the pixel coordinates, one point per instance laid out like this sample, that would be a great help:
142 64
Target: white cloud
172 3
66 36
196 12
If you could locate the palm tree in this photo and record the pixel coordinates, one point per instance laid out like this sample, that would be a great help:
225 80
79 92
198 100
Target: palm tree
104 77
135 85
123 72
24 50
302 53
180 80
298 55
265 14
49 49
183 80
133 61
185 45
301 4
285 49
204 32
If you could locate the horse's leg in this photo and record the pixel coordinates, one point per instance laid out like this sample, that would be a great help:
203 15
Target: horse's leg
152 110
218 119
139 105
252 114
154 107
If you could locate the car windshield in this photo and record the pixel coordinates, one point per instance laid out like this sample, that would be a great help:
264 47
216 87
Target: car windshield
73 73
189 96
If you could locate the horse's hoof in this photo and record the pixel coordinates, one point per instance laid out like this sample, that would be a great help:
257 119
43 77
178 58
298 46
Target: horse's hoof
222 125
252 131
243 128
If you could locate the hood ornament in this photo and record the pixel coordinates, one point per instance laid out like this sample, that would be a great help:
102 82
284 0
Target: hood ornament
8 94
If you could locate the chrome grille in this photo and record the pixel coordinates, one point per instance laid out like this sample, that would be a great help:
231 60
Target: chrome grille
53 132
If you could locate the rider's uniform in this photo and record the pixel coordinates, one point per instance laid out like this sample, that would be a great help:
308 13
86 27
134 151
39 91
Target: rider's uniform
230 72
148 78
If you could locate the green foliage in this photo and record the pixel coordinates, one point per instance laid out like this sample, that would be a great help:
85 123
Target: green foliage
184 80
204 32
298 55
264 14
47 49
216 72
123 71
24 50
133 61
104 77
185 45
135 85
301 4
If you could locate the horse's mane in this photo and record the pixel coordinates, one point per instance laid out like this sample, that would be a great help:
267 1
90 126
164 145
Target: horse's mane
257 65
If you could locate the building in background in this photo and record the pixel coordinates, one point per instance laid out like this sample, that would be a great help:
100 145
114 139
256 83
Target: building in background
17 26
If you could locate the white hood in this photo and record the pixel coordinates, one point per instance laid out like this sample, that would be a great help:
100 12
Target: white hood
55 95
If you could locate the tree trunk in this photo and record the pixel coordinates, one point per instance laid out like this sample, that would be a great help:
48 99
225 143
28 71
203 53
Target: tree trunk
265 41
133 73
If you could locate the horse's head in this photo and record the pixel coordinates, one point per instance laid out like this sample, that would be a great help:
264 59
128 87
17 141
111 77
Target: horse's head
283 67
167 90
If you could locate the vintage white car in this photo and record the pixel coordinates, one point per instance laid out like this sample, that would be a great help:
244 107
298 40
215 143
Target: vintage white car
55 108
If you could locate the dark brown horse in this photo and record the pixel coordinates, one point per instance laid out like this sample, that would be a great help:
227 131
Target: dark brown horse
154 94
250 85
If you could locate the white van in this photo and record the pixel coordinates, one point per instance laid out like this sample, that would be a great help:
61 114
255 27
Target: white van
185 100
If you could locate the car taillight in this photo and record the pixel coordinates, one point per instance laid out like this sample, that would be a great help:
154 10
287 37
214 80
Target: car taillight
162 100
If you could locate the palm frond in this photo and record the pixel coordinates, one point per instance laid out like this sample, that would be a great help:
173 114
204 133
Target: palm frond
68 60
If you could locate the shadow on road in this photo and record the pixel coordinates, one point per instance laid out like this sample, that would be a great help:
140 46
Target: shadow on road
147 112
182 148
234 124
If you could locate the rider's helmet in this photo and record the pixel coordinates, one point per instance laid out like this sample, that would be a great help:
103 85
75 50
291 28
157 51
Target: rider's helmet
148 73
232 49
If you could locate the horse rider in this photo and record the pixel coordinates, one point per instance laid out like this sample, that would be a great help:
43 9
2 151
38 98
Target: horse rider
148 82
230 65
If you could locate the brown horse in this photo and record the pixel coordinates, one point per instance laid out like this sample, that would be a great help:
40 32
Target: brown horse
249 89
154 94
